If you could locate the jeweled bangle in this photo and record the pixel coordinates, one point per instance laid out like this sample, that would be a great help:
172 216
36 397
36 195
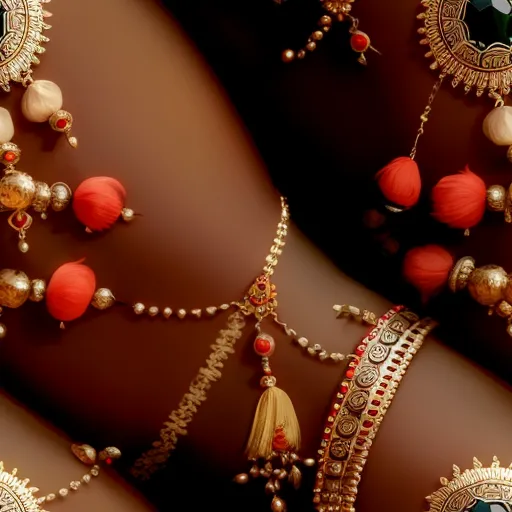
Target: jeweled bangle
359 409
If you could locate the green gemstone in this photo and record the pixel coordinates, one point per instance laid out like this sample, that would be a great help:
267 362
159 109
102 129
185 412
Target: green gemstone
481 506
489 22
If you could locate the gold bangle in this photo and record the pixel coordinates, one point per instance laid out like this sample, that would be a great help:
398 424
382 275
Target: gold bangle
367 397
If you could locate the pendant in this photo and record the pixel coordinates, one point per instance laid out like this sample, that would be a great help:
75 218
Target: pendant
15 494
21 39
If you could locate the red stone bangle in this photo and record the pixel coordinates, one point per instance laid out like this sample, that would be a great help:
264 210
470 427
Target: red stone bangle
359 407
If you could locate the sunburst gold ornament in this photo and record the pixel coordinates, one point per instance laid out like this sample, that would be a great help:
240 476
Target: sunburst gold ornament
475 490
15 494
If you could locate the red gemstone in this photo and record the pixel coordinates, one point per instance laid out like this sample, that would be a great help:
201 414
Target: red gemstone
344 389
61 124
350 374
333 413
360 441
380 392
360 350
264 345
376 402
9 156
367 423
383 385
20 220
388 377
359 42
364 433
109 461
326 436
373 412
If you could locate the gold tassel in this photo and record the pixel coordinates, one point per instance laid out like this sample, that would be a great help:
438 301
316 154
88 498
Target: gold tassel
275 426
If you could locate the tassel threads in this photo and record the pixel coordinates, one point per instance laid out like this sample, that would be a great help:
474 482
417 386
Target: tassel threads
400 183
70 291
99 202
459 200
275 433
428 269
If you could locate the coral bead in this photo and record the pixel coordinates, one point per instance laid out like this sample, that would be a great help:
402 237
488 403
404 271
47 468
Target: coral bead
360 42
264 345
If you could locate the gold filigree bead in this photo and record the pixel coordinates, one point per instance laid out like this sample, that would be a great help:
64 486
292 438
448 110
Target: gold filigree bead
63 492
211 310
50 497
460 274
139 308
487 284
167 312
224 307
95 471
3 331
74 485
182 313
111 452
311 46
86 478
37 290
496 196
103 299
84 453
504 309
153 311
196 313
14 288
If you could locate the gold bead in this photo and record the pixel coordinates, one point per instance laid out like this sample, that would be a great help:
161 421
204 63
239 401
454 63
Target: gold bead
61 196
182 313
139 308
103 299
37 290
301 54
487 284
196 313
84 453
460 274
127 214
14 288
288 55
153 311
242 478
504 309
311 46
111 452
17 190
309 462
42 197
167 312
3 331
325 21
509 154
496 196
63 492
211 310
278 505
317 35
50 497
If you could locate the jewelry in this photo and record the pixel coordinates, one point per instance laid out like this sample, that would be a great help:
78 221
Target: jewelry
476 60
358 410
98 202
475 490
21 41
431 268
16 495
336 11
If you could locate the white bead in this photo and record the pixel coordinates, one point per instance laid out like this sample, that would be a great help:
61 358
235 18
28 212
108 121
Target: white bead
498 126
6 126
41 100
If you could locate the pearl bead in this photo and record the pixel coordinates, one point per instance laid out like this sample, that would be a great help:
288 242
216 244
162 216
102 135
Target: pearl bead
6 126
41 100
497 126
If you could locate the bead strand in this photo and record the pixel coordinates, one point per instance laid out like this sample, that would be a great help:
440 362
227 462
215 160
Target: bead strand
314 350
277 247
153 311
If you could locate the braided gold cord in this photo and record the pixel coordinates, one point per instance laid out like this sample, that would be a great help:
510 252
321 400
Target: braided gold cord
156 457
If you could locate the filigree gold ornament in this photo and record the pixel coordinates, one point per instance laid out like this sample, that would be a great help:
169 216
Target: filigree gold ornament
15 494
470 43
335 11
21 41
474 490
19 192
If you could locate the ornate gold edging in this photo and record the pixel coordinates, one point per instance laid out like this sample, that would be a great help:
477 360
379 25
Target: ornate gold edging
490 485
24 20
17 495
447 35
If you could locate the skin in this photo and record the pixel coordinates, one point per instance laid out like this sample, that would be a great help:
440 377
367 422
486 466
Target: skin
209 216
